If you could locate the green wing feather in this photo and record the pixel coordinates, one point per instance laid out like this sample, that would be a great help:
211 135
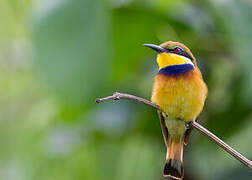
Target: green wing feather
163 127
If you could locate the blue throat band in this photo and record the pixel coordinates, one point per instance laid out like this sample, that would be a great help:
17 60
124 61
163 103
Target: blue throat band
176 70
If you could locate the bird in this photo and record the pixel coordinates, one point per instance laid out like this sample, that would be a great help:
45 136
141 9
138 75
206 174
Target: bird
180 93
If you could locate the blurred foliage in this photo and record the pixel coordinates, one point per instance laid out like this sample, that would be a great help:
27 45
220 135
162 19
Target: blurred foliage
57 56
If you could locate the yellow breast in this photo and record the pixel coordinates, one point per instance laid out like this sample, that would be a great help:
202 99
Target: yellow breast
180 96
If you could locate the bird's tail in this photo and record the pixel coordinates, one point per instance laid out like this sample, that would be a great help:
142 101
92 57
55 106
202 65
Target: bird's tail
174 158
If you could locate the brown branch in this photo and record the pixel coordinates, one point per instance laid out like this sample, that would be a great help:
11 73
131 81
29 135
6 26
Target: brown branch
117 96
197 126
223 145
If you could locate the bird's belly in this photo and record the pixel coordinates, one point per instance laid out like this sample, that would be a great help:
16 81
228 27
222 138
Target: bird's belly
180 97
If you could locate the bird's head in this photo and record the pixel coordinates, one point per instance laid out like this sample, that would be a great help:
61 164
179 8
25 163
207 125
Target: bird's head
173 53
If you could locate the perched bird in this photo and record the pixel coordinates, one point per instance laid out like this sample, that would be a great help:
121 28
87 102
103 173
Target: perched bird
180 93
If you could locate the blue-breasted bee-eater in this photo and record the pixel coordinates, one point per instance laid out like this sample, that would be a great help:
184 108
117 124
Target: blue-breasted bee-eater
180 93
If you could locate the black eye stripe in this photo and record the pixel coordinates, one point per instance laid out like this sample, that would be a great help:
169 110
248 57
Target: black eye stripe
179 52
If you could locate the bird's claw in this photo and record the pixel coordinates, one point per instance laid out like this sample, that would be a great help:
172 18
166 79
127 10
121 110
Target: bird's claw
189 124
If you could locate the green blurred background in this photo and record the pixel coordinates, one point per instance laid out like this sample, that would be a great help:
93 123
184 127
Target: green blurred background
57 56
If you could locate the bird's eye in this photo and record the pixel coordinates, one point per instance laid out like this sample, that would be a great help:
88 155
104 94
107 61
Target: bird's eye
178 49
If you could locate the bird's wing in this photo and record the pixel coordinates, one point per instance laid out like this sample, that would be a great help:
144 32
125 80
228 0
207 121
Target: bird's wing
163 127
187 135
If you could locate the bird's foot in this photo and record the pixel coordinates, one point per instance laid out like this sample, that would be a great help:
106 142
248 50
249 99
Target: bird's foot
189 125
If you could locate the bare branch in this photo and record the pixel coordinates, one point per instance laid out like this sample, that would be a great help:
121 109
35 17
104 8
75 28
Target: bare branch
117 96
197 126
222 144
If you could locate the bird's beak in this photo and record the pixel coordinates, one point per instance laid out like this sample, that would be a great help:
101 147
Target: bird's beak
159 49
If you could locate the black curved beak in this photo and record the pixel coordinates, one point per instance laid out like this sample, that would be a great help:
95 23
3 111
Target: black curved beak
159 49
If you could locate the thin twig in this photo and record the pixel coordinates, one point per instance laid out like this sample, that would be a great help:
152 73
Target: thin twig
197 126
222 144
117 96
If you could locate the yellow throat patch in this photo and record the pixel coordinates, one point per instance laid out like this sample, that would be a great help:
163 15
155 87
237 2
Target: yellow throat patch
168 59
